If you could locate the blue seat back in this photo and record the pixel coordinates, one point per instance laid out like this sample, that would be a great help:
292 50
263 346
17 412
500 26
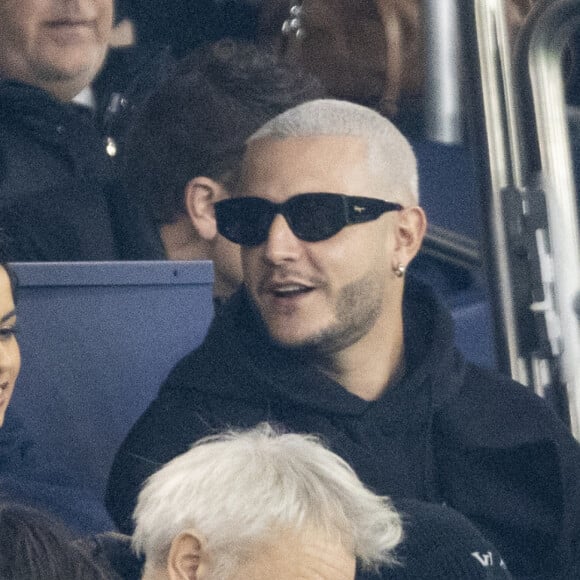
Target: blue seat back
97 340
474 336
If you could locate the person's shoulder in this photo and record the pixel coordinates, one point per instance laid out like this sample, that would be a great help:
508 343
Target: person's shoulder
16 446
491 410
25 104
441 543
131 73
114 551
183 375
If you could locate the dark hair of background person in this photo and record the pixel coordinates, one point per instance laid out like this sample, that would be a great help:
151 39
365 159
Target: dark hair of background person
6 266
35 545
196 123
184 24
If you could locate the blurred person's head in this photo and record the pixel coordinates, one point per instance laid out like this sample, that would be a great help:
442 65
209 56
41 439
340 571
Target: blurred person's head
34 545
184 149
9 351
57 45
259 505
326 213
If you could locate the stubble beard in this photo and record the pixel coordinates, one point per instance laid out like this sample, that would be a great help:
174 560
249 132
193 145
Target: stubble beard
358 308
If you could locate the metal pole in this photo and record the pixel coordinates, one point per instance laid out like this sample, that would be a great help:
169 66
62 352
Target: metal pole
443 111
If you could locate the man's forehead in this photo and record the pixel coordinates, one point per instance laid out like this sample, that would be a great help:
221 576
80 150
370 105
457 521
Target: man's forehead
332 163
306 145
274 156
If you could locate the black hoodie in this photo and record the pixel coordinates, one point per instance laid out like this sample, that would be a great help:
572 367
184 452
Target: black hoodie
447 432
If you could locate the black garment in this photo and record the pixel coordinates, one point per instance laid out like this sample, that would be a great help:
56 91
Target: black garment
441 544
114 551
25 478
447 432
129 76
70 222
59 194
55 179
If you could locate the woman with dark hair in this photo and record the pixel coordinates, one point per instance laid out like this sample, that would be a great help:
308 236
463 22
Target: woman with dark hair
35 545
9 351
23 478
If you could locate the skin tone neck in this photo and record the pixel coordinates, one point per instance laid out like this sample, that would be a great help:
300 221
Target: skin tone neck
194 236
181 242
360 370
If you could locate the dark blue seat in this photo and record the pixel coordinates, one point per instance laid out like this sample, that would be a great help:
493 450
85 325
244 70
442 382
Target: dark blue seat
448 187
97 340
472 316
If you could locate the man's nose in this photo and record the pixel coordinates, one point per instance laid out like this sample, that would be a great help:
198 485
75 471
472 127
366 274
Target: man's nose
282 244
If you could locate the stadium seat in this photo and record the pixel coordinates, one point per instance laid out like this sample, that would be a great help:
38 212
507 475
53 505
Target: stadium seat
97 340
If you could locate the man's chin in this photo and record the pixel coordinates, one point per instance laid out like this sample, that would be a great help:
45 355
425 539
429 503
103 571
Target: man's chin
286 338
78 71
298 340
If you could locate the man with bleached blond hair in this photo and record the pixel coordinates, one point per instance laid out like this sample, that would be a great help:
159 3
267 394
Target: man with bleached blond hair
330 335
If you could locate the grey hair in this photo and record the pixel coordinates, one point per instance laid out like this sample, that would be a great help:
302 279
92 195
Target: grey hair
390 155
239 488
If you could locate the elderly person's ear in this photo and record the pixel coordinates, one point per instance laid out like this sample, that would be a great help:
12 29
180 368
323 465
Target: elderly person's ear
187 557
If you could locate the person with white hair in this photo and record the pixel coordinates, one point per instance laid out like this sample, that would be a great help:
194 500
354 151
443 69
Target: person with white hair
263 504
329 334
257 505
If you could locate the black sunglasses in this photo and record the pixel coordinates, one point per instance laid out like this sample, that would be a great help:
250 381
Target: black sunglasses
312 217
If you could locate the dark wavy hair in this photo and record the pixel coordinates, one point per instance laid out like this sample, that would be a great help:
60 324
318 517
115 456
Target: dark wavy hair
4 264
33 544
196 122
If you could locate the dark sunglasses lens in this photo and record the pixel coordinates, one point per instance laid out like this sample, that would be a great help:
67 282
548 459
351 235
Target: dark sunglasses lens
244 221
315 217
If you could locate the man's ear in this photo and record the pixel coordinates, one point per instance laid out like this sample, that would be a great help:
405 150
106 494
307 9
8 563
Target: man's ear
410 230
187 558
201 193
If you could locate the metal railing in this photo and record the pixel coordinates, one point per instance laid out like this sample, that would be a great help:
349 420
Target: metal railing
533 251
496 136
546 37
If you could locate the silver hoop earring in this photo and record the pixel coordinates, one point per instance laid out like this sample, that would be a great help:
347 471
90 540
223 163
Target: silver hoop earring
399 270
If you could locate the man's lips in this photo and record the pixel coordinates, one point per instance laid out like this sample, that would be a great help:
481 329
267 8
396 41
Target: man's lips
287 289
70 22
70 25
